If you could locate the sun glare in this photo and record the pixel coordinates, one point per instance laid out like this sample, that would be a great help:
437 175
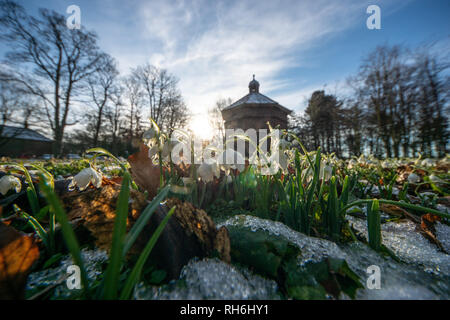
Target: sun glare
201 127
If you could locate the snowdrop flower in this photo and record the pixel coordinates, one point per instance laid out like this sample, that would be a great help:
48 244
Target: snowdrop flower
284 144
427 162
207 172
149 135
413 178
161 147
232 160
325 171
8 183
278 161
85 177
351 164
168 146
283 162
153 151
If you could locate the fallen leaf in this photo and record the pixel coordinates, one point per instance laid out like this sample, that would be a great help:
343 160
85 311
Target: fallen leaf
427 228
95 210
112 182
397 211
17 254
144 172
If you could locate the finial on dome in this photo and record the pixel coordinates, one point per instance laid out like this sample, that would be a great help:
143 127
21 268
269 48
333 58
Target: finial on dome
253 86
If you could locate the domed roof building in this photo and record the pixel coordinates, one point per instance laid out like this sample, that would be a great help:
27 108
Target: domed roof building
254 111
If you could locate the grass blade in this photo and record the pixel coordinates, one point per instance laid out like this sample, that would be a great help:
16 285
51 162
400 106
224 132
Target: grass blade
143 219
334 226
34 224
374 225
116 255
67 231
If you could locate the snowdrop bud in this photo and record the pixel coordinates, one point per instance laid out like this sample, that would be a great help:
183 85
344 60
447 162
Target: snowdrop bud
325 171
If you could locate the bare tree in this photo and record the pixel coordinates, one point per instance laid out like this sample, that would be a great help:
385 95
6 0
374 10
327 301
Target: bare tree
175 112
114 115
60 60
432 99
161 95
215 116
101 85
133 102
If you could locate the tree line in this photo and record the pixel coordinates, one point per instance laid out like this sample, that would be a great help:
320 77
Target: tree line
55 78
398 107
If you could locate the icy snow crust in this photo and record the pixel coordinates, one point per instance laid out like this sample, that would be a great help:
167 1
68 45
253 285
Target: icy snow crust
423 273
212 279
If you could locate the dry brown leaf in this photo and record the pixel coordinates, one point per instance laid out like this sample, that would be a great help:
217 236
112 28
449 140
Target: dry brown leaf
427 228
397 211
112 182
17 254
144 172
96 210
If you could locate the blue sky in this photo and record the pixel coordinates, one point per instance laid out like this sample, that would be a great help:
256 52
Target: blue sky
293 47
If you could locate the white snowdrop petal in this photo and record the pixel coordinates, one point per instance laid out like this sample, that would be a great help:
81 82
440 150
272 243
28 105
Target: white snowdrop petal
97 179
9 182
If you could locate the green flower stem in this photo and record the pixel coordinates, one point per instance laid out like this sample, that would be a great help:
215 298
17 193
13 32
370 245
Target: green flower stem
397 203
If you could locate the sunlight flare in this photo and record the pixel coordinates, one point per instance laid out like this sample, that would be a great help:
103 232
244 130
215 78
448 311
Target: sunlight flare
201 126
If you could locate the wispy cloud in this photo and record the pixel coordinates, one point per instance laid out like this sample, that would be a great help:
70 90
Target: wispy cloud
215 46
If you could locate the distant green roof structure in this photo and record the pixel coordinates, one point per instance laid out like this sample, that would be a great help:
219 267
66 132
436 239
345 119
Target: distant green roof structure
22 133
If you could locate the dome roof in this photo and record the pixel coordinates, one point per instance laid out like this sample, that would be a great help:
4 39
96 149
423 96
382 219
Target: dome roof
253 86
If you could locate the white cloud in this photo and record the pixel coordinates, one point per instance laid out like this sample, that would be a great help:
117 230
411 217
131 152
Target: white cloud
215 46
